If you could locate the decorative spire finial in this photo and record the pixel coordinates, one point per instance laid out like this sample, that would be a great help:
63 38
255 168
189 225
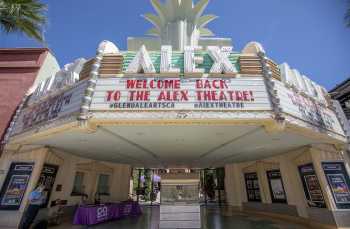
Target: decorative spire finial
179 23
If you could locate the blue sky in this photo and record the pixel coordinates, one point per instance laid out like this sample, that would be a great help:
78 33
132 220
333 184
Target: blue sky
308 34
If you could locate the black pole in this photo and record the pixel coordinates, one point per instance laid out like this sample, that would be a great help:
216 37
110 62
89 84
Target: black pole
152 186
138 186
205 188
218 181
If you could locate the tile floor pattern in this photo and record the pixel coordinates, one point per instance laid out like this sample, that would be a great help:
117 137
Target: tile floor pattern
213 218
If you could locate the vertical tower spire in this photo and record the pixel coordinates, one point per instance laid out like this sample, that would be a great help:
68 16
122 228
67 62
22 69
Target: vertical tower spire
179 23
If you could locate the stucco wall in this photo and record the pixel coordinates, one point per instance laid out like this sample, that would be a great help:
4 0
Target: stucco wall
288 164
19 70
68 165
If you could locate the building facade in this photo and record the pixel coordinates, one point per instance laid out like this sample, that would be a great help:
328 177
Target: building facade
21 69
341 93
181 101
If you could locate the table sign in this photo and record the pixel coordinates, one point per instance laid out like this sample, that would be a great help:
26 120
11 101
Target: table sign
95 214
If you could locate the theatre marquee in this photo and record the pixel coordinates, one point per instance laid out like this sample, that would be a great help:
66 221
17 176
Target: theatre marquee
132 94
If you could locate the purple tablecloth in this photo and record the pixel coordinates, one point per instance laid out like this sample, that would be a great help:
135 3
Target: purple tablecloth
90 215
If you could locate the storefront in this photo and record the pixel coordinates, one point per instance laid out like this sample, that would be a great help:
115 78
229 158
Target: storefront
274 130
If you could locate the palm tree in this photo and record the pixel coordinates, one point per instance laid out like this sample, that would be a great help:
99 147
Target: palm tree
347 16
26 16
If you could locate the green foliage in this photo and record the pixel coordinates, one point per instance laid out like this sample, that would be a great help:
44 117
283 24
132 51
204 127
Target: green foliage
148 184
347 16
26 16
209 183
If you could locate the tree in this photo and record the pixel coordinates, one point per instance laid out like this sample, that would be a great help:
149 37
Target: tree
347 15
25 16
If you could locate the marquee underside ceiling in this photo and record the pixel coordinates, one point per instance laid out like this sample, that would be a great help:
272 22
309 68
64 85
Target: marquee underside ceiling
174 146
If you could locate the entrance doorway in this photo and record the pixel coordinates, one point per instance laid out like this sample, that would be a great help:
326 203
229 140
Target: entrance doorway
156 186
146 185
213 186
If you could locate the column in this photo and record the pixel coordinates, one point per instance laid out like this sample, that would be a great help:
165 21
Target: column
233 186
293 186
263 184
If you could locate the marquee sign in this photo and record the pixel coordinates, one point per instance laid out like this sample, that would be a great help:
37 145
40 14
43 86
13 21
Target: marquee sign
306 109
234 94
51 108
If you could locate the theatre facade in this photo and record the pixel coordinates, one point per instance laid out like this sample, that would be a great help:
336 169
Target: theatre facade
178 101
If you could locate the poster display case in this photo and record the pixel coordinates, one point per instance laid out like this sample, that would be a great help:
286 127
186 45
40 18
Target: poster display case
252 185
47 178
339 183
278 194
312 188
15 185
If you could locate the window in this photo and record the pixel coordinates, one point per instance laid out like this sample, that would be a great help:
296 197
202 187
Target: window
78 186
103 184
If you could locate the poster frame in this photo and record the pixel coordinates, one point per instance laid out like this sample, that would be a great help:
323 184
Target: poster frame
270 178
338 169
308 195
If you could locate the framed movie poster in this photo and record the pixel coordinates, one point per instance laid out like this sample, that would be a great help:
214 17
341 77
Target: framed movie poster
278 194
252 186
15 190
15 185
312 188
47 178
338 181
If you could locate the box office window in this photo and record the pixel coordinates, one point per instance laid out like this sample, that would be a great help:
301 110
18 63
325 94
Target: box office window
15 185
278 194
338 181
78 185
252 186
312 187
103 184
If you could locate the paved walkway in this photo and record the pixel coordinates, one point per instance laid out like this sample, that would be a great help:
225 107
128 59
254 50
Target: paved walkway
213 218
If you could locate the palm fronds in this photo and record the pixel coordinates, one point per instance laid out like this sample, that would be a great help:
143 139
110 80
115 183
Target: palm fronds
26 16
